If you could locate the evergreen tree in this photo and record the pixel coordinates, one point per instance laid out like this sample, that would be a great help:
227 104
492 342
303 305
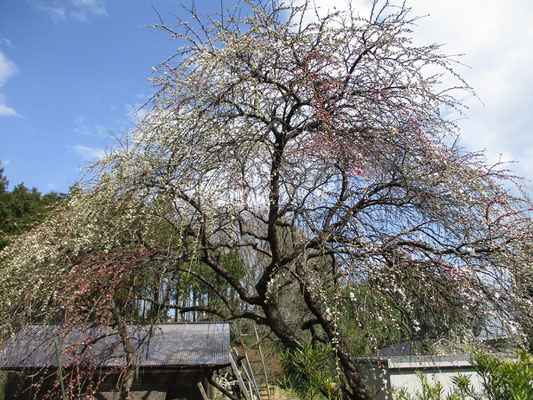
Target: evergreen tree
3 179
21 208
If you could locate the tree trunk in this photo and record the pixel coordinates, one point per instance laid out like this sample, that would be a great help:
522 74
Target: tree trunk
357 387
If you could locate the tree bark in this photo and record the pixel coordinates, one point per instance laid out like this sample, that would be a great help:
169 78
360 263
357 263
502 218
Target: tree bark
358 388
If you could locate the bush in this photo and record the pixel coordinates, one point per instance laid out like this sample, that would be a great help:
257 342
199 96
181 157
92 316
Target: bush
501 380
310 373
506 379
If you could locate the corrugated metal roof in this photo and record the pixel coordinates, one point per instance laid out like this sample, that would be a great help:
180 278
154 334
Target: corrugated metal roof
165 345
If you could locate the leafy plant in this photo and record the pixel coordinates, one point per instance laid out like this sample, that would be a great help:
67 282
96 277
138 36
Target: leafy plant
436 391
501 380
309 372
506 379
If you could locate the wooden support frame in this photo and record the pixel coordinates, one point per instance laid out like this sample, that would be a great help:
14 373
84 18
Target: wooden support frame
237 373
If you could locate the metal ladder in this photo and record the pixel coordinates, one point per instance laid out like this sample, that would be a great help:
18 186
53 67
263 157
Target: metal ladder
252 368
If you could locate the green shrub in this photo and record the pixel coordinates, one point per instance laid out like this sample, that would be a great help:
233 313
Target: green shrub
430 391
310 372
501 380
506 379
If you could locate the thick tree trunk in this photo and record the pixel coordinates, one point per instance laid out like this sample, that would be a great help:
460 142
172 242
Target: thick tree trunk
357 387
278 326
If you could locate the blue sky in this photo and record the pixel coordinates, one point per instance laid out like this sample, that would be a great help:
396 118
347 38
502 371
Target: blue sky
74 71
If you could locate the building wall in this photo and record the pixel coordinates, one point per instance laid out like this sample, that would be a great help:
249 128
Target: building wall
408 379
388 374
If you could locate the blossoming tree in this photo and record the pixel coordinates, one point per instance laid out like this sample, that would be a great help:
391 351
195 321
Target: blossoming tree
314 152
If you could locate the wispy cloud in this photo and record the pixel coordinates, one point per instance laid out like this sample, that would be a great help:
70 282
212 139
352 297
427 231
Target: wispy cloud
497 41
83 9
88 153
135 113
55 10
7 42
102 131
81 127
84 128
6 111
78 10
7 70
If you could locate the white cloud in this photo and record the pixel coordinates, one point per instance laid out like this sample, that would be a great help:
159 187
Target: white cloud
135 112
6 111
80 119
84 9
79 10
88 153
7 42
94 7
83 127
101 131
55 10
83 130
497 40
7 70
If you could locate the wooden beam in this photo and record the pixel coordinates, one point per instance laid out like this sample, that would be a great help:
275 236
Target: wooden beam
239 378
223 390
202 391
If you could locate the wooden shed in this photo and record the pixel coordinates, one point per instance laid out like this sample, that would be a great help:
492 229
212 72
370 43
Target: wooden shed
170 360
